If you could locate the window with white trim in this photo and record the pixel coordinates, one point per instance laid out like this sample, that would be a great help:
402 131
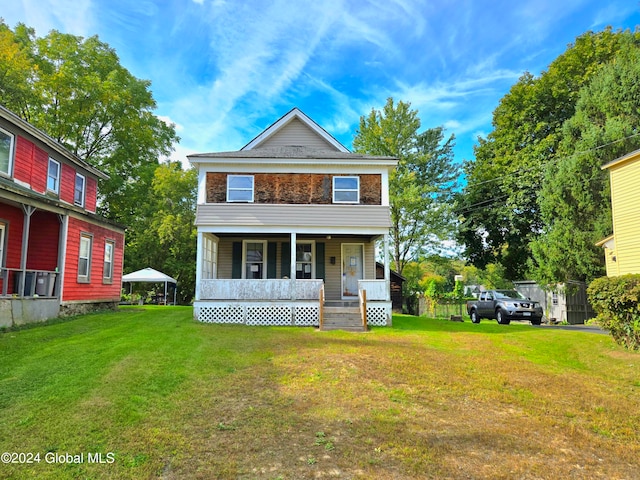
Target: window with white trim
107 270
304 259
84 258
3 227
209 257
6 152
78 191
346 189
53 176
254 255
240 188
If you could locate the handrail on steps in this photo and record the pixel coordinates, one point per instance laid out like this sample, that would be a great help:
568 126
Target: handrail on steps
321 310
362 295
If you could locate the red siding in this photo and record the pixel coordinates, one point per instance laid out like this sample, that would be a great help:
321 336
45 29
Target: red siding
31 165
96 289
44 235
14 218
40 171
91 194
23 160
67 182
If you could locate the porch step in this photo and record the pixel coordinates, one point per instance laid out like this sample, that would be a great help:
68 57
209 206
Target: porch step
342 318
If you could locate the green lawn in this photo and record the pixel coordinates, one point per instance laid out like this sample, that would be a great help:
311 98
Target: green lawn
162 396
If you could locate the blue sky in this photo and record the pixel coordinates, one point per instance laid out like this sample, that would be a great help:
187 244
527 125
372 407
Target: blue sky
222 71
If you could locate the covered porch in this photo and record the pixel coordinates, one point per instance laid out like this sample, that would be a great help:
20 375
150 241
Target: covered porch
31 239
289 278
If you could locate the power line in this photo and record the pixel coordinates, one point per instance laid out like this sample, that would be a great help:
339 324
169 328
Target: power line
481 205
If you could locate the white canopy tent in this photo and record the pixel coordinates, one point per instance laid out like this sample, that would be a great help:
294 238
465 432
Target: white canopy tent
149 275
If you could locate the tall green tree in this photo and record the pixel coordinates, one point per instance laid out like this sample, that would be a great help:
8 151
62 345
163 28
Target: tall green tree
77 91
421 186
575 198
166 236
499 209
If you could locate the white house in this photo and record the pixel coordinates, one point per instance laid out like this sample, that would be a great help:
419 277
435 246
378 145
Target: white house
287 230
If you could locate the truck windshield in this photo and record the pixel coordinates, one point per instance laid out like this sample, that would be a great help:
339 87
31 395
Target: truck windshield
509 294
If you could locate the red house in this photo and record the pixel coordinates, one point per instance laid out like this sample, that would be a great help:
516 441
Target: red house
57 256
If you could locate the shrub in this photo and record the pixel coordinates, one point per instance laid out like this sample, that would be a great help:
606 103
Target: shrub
616 300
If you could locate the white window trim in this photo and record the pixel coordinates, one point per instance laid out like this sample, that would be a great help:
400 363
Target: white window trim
357 189
229 177
12 150
209 257
84 189
313 256
108 278
264 257
3 230
57 189
85 278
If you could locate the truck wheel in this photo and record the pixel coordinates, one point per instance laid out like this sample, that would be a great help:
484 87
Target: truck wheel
501 317
474 316
536 320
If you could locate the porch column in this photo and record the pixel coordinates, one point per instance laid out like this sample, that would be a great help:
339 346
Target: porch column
387 268
293 265
199 262
28 211
62 254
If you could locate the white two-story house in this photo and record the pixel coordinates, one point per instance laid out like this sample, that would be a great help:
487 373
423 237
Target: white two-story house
288 227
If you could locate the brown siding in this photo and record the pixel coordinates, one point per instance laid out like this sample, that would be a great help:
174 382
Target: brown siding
295 188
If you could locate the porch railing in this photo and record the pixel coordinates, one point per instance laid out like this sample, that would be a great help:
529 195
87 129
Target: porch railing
267 289
15 282
376 289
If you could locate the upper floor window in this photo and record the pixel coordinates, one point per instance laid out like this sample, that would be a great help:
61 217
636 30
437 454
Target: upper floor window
78 191
240 188
6 152
53 176
346 189
84 258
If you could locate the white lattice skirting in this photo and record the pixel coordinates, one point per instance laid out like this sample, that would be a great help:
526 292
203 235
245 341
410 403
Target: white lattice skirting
259 314
278 313
378 315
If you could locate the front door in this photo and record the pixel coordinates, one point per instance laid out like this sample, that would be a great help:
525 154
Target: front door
352 268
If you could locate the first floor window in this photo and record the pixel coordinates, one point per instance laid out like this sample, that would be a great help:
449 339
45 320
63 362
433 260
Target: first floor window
346 189
304 260
6 152
254 259
209 257
2 229
84 258
53 176
78 192
109 250
240 188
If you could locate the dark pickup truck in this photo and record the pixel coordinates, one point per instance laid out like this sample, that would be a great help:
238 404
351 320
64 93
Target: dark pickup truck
504 306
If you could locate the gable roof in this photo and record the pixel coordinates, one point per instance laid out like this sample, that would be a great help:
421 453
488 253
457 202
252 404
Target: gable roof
297 119
56 146
635 155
